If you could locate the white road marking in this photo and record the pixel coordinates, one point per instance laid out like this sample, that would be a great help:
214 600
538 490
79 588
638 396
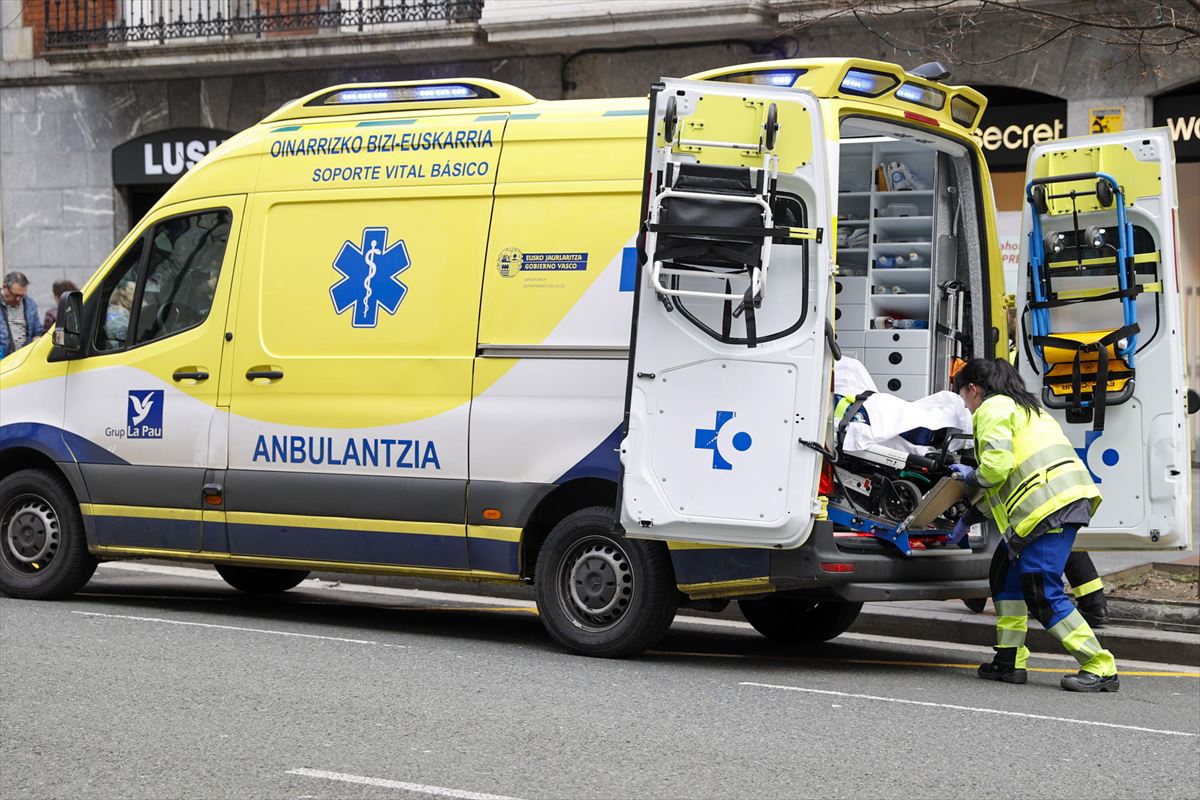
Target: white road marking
383 783
966 708
163 621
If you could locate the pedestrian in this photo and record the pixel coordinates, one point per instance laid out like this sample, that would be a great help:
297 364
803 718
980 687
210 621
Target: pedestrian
21 321
1040 494
59 288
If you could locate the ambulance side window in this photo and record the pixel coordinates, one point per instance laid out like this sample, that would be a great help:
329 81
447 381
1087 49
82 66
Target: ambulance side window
116 300
181 273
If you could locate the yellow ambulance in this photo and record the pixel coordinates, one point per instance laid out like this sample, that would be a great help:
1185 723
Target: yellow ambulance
387 330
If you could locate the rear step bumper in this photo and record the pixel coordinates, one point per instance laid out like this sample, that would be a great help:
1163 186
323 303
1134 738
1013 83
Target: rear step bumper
863 577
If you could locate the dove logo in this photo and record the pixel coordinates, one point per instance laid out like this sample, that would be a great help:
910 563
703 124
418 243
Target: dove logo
145 414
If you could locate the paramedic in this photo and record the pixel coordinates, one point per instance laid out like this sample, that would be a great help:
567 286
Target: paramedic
1040 494
1080 571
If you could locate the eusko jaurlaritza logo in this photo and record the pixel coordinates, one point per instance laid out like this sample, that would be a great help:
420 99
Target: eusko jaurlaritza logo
144 418
369 277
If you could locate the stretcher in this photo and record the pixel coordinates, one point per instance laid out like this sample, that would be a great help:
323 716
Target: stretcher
1084 369
890 461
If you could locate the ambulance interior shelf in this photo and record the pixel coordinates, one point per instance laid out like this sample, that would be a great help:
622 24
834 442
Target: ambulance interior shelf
1082 335
885 253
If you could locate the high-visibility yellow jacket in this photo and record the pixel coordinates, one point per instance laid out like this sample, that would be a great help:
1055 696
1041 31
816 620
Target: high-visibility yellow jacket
1027 467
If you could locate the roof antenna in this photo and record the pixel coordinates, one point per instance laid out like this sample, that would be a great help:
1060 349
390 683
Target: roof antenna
932 70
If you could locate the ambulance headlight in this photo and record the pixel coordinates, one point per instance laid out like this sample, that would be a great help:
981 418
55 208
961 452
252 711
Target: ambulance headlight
763 77
404 94
922 95
866 83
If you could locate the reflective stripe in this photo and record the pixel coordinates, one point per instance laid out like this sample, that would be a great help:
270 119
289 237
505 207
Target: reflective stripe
1011 608
1010 631
1022 657
1084 589
1079 640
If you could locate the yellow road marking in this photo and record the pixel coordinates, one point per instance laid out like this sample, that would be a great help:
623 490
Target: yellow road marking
897 663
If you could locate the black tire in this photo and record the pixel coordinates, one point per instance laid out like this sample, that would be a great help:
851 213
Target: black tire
1039 199
261 580
43 552
793 620
771 128
600 594
670 118
1104 193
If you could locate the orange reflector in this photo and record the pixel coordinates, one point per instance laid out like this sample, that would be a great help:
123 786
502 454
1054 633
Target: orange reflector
213 499
922 118
837 566
491 513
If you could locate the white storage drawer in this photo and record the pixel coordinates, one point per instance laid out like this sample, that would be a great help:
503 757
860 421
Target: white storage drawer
850 317
855 340
890 339
850 290
906 387
904 360
855 353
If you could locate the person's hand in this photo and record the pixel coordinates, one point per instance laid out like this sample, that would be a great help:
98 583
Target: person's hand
962 471
961 529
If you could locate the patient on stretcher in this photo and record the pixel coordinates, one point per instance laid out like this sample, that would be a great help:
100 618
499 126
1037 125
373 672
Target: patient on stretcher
890 452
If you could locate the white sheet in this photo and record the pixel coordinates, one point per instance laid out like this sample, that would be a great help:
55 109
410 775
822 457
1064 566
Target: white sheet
891 416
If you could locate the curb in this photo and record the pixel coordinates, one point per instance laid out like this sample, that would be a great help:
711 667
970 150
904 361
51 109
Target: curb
1141 644
880 619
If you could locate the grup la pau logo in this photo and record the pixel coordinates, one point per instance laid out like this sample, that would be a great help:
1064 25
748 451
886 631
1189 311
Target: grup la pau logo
369 277
144 414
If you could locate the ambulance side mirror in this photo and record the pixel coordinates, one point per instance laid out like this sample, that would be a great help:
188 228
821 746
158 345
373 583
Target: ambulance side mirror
69 323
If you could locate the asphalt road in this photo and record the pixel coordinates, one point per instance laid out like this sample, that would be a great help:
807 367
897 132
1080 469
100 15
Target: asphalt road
161 685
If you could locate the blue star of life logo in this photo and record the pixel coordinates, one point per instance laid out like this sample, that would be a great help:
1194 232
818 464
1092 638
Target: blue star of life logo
706 439
369 279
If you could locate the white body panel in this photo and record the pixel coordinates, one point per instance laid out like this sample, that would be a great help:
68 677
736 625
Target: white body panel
711 452
1140 461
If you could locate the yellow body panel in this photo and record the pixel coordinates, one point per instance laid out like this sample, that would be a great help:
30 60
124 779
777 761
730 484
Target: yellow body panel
464 184
1138 178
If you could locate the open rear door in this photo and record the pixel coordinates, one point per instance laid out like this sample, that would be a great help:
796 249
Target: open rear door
1100 321
731 364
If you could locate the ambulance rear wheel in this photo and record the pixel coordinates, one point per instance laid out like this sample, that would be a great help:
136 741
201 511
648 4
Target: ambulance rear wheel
260 580
793 620
43 552
600 594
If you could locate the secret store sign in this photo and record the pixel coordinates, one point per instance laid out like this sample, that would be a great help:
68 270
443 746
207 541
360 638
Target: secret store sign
164 156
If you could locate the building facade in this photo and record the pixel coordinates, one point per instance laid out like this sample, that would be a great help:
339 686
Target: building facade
103 104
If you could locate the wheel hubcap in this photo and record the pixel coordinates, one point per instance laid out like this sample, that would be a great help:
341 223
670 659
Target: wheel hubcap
31 533
596 582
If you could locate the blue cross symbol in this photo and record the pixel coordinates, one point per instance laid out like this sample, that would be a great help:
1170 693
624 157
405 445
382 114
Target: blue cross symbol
369 279
706 439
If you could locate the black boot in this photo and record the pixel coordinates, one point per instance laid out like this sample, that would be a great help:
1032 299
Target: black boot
1090 682
1094 608
1003 667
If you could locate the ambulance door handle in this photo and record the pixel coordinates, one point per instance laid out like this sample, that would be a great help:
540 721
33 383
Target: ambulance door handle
265 371
192 374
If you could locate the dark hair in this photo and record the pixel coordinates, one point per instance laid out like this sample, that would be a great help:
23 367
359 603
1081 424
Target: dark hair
996 377
62 287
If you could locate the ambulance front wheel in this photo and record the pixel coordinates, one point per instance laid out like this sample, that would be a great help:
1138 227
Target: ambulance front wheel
600 594
43 552
260 580
793 620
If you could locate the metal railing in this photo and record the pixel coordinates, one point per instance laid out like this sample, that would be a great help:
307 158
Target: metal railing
83 23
